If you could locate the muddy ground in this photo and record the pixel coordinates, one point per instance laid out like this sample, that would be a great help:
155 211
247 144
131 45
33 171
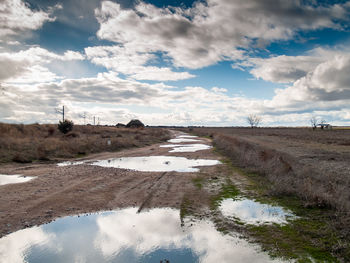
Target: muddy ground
70 190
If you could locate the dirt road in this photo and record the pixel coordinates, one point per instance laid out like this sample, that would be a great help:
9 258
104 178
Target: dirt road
79 189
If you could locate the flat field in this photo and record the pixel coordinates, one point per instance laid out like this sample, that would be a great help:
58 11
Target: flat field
313 164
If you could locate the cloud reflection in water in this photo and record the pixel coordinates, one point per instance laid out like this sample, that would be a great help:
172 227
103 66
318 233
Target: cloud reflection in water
126 236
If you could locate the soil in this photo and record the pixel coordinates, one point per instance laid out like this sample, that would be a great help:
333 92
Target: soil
80 189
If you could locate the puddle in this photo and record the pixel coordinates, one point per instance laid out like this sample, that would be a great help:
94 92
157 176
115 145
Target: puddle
14 179
187 136
157 163
68 163
186 147
126 236
180 140
253 212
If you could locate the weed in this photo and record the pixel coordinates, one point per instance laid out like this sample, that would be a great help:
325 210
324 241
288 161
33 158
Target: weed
198 182
228 190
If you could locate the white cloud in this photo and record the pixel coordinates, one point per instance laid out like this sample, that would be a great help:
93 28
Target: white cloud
28 66
16 16
283 69
132 62
114 99
324 87
34 74
286 69
213 31
216 89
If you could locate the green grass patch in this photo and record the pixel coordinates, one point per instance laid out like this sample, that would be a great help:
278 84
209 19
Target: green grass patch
228 190
308 238
198 182
184 209
310 235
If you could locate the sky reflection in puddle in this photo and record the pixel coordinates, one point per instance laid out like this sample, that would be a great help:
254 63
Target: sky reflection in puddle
180 140
127 236
157 163
253 212
186 147
187 136
14 179
68 163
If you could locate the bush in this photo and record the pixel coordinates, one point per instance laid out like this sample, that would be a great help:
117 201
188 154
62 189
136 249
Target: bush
65 126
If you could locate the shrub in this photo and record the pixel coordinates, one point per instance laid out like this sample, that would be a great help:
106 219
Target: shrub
65 126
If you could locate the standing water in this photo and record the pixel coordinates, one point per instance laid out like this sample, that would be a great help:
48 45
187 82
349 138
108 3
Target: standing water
252 212
186 147
157 163
14 179
127 236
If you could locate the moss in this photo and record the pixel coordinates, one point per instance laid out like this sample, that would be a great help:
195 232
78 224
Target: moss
184 209
308 238
198 182
227 191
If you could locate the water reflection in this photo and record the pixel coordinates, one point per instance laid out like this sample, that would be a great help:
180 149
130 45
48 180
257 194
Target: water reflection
125 236
187 136
180 140
253 212
68 163
14 179
157 163
186 147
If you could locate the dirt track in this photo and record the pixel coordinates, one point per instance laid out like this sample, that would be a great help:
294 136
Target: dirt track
60 191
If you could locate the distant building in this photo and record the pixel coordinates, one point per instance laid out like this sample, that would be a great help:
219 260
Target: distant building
325 126
135 124
120 125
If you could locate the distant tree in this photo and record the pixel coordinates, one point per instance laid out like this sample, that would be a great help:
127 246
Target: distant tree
313 122
135 124
65 126
322 122
253 120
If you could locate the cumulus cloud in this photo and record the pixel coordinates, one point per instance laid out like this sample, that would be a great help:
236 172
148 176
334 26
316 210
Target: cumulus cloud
193 105
16 16
212 31
325 86
27 66
288 69
284 69
132 62
114 99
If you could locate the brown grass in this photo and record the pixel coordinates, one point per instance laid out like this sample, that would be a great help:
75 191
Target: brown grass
313 165
26 143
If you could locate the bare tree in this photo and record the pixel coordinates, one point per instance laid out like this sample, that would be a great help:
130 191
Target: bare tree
323 122
60 111
313 122
253 120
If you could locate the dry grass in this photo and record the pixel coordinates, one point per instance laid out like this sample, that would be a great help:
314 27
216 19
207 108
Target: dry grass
26 143
313 165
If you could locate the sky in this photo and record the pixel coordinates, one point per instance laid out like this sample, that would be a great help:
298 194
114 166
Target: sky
173 62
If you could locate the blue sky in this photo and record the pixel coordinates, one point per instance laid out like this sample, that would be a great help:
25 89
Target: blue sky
209 62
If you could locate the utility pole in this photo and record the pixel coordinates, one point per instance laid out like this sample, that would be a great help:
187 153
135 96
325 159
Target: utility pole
61 112
94 120
84 115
